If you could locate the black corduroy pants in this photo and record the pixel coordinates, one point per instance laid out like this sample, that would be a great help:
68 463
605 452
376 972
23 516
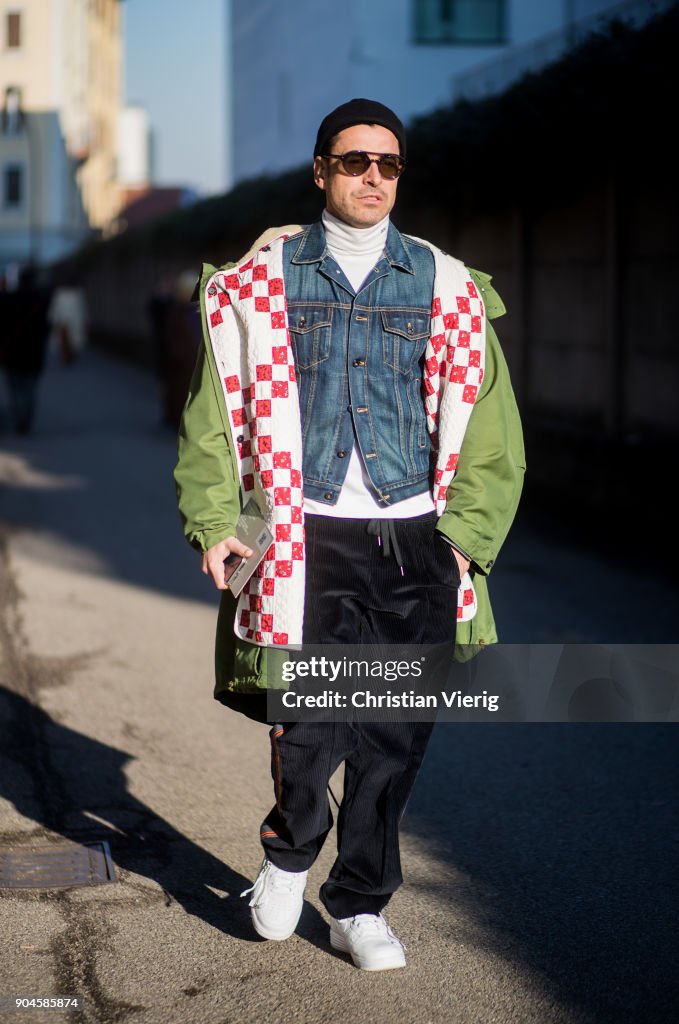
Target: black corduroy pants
357 593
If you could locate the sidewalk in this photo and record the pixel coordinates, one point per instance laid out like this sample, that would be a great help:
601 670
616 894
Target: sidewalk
536 858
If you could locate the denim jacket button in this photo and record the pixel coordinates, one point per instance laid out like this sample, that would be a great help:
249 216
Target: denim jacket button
359 362
341 454
329 496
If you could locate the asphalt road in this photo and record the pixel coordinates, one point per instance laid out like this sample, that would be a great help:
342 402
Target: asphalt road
540 860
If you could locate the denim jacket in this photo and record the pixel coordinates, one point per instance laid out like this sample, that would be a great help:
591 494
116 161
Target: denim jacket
358 360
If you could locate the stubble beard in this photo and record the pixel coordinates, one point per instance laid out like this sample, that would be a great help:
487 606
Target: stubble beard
359 216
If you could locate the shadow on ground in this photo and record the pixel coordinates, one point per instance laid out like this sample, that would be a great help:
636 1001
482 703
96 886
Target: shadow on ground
564 844
56 776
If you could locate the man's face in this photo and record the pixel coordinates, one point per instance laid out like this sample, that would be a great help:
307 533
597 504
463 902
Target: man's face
368 198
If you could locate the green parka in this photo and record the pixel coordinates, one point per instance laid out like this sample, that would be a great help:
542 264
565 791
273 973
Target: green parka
482 498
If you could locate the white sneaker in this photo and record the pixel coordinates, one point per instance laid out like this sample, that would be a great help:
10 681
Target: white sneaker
277 900
370 941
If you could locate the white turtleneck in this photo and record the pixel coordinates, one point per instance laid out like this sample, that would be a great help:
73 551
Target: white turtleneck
357 250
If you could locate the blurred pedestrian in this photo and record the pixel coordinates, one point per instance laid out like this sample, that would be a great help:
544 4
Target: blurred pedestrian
68 319
157 309
24 331
182 337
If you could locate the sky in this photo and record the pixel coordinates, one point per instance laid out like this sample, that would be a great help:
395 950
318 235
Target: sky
174 60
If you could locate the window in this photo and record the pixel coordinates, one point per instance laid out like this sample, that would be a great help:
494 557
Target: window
13 30
479 22
13 186
12 117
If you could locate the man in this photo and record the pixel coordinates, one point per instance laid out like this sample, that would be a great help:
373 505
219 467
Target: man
23 344
351 382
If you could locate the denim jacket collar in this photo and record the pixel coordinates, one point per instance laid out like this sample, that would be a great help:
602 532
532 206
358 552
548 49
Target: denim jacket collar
313 248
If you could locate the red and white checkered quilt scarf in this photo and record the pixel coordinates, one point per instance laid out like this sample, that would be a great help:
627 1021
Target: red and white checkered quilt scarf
248 327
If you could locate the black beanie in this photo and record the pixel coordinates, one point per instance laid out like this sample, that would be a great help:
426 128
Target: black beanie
359 112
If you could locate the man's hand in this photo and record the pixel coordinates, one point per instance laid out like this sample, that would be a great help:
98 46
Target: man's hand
212 563
462 562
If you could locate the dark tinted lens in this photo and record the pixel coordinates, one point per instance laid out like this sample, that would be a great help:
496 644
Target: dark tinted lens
390 166
355 163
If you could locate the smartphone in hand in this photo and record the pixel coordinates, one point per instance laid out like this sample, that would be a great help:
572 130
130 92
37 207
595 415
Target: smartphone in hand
231 564
252 531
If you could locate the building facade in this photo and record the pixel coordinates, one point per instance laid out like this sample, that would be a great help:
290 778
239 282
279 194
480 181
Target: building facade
60 90
291 63
135 152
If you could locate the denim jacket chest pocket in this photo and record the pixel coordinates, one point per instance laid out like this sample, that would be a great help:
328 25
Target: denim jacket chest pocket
404 337
310 327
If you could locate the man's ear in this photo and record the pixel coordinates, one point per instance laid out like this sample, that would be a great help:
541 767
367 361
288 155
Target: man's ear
319 172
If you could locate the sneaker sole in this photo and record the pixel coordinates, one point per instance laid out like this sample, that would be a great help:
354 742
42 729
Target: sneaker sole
389 962
272 933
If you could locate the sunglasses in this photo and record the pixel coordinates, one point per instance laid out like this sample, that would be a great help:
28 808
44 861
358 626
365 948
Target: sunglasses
357 162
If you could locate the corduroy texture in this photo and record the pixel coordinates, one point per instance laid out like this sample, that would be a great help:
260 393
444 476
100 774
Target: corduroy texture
382 760
356 595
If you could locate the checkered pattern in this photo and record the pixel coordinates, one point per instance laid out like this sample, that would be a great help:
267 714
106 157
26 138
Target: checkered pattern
453 372
246 316
258 378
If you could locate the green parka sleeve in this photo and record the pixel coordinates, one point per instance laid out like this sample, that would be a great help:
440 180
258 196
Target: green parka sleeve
484 494
208 491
